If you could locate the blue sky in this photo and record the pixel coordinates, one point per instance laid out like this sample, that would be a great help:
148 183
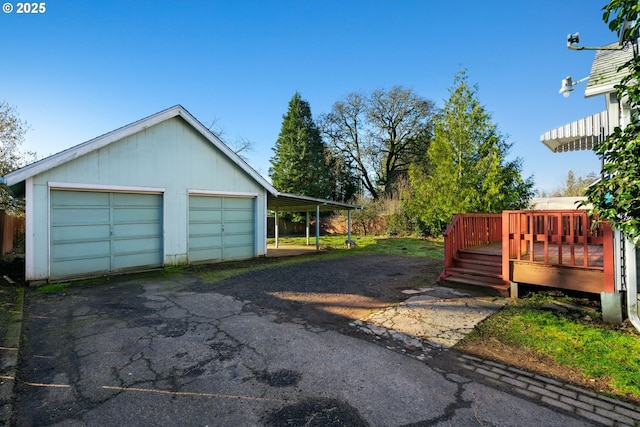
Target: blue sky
84 68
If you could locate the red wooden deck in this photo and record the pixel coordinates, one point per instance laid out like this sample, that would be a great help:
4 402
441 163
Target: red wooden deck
562 249
595 254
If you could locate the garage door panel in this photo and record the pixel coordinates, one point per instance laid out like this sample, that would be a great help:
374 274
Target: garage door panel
233 230
205 215
231 203
201 228
70 198
196 202
78 267
205 254
239 225
237 252
79 232
141 230
221 228
136 259
205 242
88 249
136 199
80 215
240 239
132 246
98 232
239 216
135 215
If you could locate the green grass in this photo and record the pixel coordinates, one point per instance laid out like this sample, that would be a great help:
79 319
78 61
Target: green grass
430 248
577 340
53 287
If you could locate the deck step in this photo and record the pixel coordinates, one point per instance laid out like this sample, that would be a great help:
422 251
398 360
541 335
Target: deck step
474 273
478 267
476 254
481 265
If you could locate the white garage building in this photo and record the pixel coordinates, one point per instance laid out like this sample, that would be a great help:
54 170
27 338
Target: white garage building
158 192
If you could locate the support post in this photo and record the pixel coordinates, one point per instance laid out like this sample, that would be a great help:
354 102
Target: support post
307 231
513 291
317 227
349 229
276 227
506 271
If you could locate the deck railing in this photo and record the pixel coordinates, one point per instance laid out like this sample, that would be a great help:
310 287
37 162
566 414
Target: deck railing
469 230
566 238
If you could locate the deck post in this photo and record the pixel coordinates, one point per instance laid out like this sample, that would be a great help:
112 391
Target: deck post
514 290
610 300
607 255
506 271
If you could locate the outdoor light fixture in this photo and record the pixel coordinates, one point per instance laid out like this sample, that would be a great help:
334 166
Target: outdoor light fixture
568 84
572 39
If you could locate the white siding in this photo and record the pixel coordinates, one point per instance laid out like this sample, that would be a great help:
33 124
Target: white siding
170 155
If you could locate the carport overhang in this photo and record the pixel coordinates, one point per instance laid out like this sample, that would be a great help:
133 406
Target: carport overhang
285 202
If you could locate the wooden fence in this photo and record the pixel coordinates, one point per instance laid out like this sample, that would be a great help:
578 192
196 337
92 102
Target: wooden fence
10 228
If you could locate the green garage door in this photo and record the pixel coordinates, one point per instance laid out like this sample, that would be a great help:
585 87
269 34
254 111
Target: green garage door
221 228
96 232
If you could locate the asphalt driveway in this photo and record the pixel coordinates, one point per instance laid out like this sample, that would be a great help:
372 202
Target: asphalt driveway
269 347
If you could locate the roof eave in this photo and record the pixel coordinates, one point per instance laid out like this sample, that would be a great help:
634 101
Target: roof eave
599 90
72 153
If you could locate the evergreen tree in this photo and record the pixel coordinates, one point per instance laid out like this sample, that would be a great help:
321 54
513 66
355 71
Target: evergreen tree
575 185
299 164
465 170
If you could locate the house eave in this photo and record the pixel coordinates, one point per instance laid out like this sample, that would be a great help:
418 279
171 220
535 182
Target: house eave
579 135
79 150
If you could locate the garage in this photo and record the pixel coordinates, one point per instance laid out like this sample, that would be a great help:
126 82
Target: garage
221 228
100 232
161 191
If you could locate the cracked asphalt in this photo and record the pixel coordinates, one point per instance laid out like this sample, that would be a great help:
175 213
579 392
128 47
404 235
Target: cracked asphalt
261 348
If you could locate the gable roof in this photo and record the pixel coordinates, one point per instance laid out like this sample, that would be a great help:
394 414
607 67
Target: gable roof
604 70
275 199
20 175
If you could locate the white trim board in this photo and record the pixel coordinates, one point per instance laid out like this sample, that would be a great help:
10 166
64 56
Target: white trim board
104 188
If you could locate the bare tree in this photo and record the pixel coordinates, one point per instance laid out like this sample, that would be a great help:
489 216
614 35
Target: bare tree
240 145
12 131
380 134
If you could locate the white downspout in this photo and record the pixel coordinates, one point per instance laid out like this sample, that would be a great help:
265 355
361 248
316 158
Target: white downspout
632 284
